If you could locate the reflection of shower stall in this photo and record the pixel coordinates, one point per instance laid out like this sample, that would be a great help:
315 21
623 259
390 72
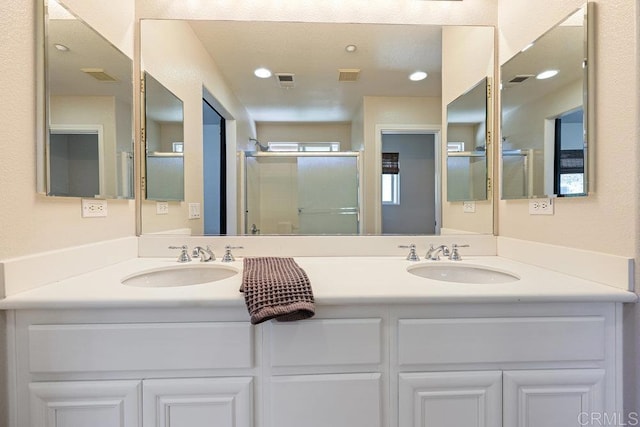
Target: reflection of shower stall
301 192
517 173
466 175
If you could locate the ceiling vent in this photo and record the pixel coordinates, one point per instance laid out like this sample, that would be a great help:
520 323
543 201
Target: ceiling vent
348 74
98 74
286 80
520 78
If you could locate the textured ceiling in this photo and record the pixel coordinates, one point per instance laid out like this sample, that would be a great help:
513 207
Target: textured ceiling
314 52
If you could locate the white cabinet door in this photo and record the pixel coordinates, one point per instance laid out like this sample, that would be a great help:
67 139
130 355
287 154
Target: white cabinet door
450 399
334 400
552 398
85 403
198 402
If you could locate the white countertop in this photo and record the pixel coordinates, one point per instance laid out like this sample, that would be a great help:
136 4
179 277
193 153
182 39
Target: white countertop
335 280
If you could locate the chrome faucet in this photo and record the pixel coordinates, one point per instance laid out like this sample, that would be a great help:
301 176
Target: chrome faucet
434 252
184 255
228 256
205 254
413 255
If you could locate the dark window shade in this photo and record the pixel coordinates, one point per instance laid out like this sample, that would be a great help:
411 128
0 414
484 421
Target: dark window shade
390 163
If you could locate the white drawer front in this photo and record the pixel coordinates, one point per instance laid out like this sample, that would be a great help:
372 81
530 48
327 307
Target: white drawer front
140 346
325 342
486 340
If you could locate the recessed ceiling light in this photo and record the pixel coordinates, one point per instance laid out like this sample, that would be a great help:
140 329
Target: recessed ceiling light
546 74
262 73
61 47
351 48
417 76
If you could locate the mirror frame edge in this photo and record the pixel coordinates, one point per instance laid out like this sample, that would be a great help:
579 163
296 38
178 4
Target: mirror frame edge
589 95
138 114
41 97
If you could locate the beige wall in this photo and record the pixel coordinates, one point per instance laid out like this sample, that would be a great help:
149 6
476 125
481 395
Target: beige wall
305 132
86 110
605 221
467 57
391 113
167 49
468 12
31 222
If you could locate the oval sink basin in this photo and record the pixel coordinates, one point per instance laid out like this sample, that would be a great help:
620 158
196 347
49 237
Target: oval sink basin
462 273
179 276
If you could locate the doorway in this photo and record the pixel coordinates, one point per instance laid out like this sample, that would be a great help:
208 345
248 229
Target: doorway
214 170
569 170
76 164
410 199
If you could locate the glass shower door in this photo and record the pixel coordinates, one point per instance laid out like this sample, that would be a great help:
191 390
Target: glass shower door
328 195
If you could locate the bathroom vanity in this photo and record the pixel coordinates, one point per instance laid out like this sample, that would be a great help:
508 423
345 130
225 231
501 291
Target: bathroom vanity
386 348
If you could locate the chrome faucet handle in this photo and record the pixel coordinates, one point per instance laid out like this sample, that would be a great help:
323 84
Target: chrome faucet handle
413 255
228 256
184 255
455 255
205 254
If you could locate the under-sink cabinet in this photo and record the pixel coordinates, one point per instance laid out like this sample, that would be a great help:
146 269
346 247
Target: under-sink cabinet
511 365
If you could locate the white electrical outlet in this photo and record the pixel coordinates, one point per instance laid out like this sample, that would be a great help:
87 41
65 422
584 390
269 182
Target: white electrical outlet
468 207
194 210
162 208
93 208
540 206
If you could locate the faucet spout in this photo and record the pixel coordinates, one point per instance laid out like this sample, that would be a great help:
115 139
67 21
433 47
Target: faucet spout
205 254
434 252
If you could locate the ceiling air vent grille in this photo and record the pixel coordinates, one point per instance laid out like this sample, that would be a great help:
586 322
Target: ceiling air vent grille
286 80
98 74
348 75
520 78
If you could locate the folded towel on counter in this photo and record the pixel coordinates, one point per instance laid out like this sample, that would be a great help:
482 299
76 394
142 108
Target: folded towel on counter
276 288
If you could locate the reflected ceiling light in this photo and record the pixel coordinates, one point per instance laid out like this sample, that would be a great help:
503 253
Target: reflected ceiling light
61 47
417 76
546 74
351 48
262 73
527 47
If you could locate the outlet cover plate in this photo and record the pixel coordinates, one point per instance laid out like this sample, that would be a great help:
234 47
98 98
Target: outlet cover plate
162 208
94 208
541 206
469 207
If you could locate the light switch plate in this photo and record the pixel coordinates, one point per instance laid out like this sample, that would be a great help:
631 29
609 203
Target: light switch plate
468 207
93 208
194 210
162 208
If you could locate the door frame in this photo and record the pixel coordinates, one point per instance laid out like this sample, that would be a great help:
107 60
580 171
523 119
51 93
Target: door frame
411 129
76 129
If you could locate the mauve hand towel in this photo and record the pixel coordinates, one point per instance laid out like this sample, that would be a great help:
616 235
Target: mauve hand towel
276 288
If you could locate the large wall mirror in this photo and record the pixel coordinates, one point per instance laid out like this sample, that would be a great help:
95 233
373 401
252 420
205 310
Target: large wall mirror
467 145
544 114
308 87
87 146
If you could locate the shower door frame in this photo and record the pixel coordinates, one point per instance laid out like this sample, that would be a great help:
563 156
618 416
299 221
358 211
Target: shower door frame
288 154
